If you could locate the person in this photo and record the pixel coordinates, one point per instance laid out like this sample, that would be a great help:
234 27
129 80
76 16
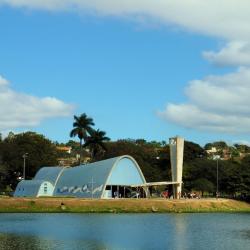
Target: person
137 194
179 195
217 195
165 194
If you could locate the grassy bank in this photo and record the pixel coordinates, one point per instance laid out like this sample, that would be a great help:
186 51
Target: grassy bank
73 205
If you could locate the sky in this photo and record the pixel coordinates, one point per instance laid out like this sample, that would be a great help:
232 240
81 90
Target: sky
148 69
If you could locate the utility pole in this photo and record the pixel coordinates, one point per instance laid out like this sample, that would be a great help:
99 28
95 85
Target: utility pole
217 178
24 164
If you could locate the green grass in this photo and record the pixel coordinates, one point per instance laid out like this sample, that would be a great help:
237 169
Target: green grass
33 209
69 205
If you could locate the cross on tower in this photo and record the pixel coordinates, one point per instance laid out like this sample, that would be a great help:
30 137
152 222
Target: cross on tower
92 186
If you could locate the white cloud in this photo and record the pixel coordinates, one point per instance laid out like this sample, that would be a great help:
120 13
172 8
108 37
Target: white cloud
222 18
227 19
3 82
233 54
216 103
23 110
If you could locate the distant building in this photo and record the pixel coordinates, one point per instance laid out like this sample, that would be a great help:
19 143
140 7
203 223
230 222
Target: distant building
243 155
67 162
211 151
64 149
226 154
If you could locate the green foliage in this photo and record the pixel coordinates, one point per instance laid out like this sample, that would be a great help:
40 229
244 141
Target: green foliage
41 152
199 173
4 174
234 177
74 145
242 148
203 185
96 142
82 127
192 151
197 169
234 152
217 144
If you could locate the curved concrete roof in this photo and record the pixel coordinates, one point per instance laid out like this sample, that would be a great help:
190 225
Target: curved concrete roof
78 181
29 188
50 174
87 180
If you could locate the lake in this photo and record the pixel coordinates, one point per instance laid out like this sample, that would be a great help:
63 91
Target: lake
125 231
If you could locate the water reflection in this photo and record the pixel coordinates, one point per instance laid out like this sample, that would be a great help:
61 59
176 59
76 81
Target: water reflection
124 231
180 227
245 234
11 242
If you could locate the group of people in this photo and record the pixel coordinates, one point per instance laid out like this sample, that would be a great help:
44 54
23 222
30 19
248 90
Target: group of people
135 194
192 195
167 195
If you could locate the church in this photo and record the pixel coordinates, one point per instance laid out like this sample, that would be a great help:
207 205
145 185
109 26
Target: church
116 177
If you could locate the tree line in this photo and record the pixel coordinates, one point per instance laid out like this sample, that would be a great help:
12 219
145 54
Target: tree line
199 172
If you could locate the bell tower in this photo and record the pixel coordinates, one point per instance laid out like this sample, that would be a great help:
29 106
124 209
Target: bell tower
176 146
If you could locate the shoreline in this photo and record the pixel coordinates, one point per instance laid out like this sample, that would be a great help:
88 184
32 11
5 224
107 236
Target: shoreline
77 205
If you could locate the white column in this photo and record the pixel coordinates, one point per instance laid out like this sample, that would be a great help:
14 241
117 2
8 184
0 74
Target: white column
176 146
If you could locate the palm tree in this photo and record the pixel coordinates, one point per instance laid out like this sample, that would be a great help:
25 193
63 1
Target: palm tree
96 142
82 128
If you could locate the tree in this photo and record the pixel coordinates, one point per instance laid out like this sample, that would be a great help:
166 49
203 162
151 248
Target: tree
242 148
208 146
140 141
96 142
217 144
192 151
3 176
203 185
41 152
234 152
82 128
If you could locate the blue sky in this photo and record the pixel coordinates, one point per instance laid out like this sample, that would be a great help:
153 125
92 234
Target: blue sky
133 76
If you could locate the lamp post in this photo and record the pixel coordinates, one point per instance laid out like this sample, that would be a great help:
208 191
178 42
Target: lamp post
217 176
24 164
